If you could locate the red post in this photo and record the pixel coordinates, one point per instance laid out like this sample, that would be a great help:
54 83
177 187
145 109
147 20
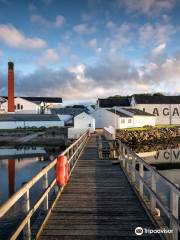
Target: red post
10 87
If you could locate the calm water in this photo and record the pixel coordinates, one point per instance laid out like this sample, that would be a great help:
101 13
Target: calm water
166 161
17 166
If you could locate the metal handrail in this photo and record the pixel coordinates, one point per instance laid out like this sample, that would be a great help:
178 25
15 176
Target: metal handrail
129 160
72 153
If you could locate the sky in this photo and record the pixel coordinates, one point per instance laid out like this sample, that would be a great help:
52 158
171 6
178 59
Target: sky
89 49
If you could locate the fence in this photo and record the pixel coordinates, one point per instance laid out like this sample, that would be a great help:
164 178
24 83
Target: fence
135 168
72 153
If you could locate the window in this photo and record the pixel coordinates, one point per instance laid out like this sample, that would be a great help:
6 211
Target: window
21 107
129 120
122 120
89 124
18 106
14 107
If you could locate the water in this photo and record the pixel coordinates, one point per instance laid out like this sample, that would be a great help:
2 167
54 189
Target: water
17 166
166 161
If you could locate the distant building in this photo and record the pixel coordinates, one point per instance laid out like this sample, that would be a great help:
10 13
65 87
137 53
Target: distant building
165 108
113 102
122 118
67 114
31 105
12 121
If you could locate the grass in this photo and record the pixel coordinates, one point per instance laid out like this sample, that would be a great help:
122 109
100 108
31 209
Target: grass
149 128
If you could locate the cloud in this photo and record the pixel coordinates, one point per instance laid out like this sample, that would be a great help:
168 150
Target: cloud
12 37
1 53
156 34
148 7
111 75
49 56
57 23
84 29
120 35
93 44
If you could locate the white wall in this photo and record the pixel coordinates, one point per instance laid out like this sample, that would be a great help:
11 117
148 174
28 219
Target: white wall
162 112
140 121
84 121
65 117
22 124
28 107
125 124
75 133
104 118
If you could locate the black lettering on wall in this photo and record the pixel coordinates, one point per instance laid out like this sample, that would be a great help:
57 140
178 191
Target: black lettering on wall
155 112
166 155
166 111
175 112
176 156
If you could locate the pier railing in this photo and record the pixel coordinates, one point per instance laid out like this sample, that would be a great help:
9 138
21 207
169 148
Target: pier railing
72 153
144 179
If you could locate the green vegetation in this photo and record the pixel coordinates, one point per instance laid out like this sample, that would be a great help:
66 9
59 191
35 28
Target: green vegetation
149 127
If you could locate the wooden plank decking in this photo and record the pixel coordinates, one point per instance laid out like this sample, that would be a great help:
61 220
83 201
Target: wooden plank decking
97 203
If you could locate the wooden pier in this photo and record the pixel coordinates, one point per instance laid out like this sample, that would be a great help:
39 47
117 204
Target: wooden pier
101 200
97 203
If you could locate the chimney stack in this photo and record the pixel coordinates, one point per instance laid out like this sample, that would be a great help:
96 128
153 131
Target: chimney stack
10 87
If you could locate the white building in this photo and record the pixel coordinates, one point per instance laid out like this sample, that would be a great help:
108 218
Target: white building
30 105
165 108
84 120
120 118
12 121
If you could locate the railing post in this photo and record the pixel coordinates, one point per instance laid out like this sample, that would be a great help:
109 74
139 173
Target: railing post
127 162
45 186
174 206
141 172
26 208
124 157
153 187
133 168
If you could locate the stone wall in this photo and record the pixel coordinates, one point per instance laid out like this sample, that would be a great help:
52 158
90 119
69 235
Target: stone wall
150 136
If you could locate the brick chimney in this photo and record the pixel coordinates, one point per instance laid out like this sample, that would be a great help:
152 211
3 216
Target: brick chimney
10 87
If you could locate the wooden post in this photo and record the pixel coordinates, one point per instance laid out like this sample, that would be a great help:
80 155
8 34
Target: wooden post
124 157
152 198
174 206
141 172
133 169
26 208
45 186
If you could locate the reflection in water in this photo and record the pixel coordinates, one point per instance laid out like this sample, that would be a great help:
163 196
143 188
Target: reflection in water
19 165
166 161
11 176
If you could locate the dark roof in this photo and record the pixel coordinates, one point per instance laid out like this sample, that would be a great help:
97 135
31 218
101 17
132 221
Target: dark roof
112 102
138 112
68 111
120 114
29 117
40 99
157 99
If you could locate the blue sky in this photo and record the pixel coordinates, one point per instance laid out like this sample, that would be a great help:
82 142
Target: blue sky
85 49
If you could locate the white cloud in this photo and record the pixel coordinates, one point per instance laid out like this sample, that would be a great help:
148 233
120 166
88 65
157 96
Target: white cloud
57 23
48 56
12 37
156 34
84 29
148 7
159 49
1 53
